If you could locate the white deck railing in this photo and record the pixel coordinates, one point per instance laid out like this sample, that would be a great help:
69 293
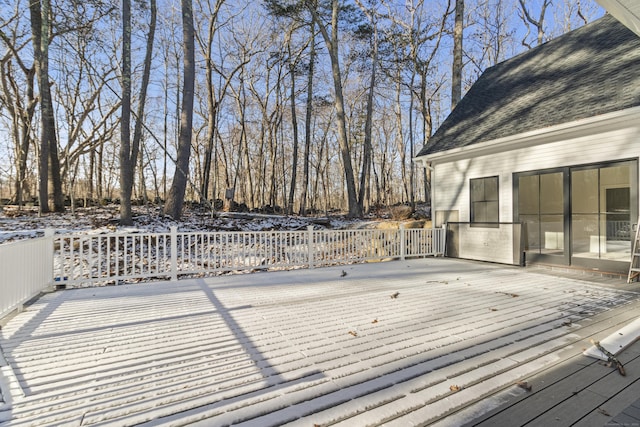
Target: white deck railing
25 271
30 267
82 259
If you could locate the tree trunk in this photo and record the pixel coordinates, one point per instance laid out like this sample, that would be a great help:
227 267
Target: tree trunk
366 158
212 105
175 201
331 40
21 118
127 164
40 37
129 149
99 173
456 75
307 122
294 125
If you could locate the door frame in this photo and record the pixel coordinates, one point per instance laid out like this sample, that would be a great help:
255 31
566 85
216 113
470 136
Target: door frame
566 258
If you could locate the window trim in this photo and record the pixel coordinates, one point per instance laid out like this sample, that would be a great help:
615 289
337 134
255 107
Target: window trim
472 215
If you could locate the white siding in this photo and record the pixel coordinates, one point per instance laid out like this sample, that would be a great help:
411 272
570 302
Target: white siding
451 184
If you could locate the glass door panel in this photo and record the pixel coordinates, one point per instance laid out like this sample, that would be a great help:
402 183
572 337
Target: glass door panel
552 227
616 218
541 210
531 224
602 210
552 213
584 236
529 211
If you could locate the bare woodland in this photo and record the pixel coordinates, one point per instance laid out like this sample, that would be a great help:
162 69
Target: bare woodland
292 106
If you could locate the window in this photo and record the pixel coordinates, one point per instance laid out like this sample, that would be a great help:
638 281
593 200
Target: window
484 200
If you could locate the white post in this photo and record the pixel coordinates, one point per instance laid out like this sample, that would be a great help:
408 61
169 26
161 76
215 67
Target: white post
310 245
443 241
48 234
403 248
174 253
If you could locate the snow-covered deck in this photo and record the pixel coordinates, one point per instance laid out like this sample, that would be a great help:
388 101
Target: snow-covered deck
400 343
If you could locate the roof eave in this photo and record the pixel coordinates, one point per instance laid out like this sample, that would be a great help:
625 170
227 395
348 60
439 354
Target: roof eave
570 130
625 11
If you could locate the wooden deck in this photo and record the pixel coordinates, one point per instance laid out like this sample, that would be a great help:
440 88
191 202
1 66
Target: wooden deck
578 392
420 342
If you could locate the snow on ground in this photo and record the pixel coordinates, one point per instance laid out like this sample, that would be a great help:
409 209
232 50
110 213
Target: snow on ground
396 343
16 224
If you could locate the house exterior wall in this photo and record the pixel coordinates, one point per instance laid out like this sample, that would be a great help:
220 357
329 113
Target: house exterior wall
451 177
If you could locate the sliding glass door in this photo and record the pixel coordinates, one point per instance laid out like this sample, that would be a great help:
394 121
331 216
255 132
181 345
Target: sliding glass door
579 215
604 211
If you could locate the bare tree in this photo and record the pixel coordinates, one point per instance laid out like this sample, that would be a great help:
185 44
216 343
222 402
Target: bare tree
295 12
491 38
419 37
456 74
329 31
49 163
175 200
293 65
126 163
129 149
17 96
528 19
571 14
215 95
373 53
307 119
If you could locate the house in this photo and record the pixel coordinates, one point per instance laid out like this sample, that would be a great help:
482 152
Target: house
541 155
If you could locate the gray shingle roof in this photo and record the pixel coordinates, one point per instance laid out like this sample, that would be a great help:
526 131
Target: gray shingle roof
587 72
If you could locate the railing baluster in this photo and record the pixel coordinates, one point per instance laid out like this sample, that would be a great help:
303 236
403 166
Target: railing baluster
120 256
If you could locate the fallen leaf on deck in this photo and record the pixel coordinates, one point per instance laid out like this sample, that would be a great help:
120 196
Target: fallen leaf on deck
355 334
375 321
525 385
454 388
395 295
493 309
509 294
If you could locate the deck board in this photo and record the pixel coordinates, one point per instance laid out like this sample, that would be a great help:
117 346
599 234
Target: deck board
312 347
574 389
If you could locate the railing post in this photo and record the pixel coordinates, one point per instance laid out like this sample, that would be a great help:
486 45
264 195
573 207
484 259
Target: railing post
403 249
174 253
443 240
311 245
48 234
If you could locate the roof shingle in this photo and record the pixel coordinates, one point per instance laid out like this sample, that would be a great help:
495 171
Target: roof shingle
585 73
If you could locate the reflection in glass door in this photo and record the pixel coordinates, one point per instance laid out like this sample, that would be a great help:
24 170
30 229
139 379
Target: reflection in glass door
602 213
541 210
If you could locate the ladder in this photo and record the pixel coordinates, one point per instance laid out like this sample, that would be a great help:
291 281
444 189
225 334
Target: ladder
634 266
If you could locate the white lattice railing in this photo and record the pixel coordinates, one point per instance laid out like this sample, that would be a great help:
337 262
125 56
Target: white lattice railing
81 259
26 270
